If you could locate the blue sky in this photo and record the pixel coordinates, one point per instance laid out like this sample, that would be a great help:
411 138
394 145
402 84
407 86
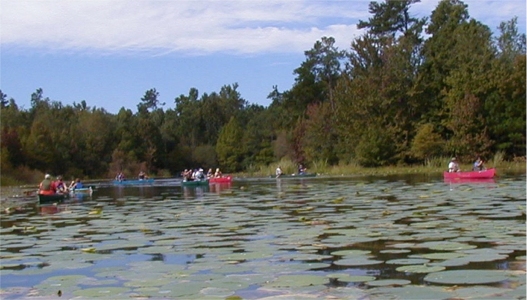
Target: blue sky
110 52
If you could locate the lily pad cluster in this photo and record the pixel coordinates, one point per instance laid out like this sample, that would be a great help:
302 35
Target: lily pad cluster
301 238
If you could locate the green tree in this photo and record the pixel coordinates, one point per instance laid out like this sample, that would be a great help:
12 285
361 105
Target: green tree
505 105
438 60
230 153
467 87
319 137
427 143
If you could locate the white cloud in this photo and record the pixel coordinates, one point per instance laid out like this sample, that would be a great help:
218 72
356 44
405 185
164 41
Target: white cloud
165 26
199 27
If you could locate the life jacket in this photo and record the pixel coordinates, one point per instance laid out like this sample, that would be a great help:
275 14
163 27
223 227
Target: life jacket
46 187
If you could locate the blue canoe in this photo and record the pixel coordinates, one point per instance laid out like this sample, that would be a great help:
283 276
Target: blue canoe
82 191
134 181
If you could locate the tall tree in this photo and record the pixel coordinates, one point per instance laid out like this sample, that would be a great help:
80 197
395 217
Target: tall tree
392 17
505 106
438 58
230 153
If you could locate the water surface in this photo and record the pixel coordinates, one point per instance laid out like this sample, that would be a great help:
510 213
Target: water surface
408 237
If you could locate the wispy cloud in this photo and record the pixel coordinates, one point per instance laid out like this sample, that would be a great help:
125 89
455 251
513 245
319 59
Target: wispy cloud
194 27
181 26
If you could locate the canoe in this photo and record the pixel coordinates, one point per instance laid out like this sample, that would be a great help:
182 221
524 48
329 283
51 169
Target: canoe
195 183
83 191
489 173
307 175
133 181
51 198
226 179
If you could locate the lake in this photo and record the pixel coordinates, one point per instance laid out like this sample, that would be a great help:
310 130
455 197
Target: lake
400 237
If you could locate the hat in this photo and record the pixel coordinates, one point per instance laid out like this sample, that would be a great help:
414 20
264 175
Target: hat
453 158
200 169
47 176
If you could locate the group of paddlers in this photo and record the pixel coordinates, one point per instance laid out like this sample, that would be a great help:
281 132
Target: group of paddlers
50 187
198 174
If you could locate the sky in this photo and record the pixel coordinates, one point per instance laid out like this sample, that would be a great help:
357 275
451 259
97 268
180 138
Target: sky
110 52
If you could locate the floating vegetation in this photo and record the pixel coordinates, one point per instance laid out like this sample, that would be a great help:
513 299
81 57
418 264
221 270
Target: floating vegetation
318 238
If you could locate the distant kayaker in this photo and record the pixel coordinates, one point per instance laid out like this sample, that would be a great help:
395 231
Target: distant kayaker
453 166
301 169
478 165
120 176
76 184
142 175
278 172
47 186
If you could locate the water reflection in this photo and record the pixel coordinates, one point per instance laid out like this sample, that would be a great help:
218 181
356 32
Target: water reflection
191 192
487 181
220 187
460 183
51 209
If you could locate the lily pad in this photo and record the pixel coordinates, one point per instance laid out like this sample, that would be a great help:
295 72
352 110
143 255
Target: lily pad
297 281
357 261
466 277
389 282
420 269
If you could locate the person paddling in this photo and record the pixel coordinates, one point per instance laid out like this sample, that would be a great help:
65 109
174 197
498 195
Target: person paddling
453 166
278 172
478 165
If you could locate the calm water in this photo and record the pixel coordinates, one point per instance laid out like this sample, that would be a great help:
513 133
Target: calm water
346 238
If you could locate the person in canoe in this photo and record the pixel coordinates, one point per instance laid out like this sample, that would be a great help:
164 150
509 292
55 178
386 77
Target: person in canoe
120 176
47 186
453 166
478 165
187 175
278 172
210 174
301 169
76 184
199 175
142 175
60 186
218 173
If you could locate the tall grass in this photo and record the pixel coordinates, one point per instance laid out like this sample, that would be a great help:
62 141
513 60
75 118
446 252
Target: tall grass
433 165
498 159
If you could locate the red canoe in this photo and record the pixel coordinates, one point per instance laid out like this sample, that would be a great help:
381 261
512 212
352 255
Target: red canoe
489 173
226 179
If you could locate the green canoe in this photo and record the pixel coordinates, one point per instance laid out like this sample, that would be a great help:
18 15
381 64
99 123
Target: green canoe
195 182
42 199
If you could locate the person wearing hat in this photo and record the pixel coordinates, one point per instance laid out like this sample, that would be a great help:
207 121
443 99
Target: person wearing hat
47 186
199 174
453 166
278 172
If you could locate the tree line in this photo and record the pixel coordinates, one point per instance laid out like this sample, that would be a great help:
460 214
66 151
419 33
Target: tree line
407 90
